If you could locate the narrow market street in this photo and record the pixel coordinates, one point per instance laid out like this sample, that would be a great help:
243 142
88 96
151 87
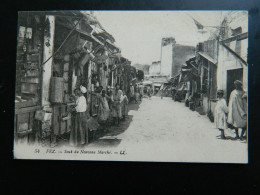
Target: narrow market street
165 125
76 73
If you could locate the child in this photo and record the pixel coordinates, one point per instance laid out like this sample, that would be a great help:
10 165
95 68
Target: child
221 110
117 108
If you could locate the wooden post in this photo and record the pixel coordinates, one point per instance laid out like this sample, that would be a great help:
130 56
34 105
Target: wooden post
209 85
112 80
48 47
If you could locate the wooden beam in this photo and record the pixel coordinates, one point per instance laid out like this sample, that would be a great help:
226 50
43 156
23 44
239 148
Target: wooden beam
234 53
236 38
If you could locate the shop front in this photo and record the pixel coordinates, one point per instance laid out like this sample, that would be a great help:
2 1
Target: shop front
52 61
208 75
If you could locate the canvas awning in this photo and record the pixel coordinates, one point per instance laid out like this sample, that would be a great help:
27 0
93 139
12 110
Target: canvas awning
90 36
116 55
147 82
157 84
112 45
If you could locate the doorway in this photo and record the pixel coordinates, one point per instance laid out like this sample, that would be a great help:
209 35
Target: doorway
233 75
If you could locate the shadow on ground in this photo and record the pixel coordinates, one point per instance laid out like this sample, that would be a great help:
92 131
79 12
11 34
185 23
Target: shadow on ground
102 137
134 106
106 142
243 140
106 136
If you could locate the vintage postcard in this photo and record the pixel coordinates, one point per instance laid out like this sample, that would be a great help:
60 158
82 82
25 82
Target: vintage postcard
158 86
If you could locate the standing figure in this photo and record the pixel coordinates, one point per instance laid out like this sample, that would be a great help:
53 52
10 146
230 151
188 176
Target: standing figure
164 90
109 95
136 97
141 91
124 106
117 99
110 103
237 115
103 109
132 93
149 91
221 110
79 132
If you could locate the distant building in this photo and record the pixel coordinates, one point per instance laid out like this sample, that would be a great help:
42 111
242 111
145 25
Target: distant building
173 56
167 56
155 68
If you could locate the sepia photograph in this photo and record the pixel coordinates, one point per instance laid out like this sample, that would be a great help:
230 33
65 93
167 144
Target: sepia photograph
150 86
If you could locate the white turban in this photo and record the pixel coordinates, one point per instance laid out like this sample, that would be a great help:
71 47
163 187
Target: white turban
83 89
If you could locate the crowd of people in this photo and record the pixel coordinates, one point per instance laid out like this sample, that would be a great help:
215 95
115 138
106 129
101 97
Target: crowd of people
234 115
137 92
112 108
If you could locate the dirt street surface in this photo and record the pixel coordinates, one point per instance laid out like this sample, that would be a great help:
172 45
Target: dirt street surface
164 130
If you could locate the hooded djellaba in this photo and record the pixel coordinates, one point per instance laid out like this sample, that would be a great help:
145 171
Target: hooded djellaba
237 115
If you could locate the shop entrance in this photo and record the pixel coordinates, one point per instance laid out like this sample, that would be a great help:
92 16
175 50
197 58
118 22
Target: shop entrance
232 75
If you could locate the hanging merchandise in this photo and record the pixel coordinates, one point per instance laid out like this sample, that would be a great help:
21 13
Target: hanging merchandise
101 59
89 75
84 59
31 73
28 33
43 115
105 67
66 76
30 66
88 46
74 81
80 65
66 67
29 88
91 56
67 58
56 95
94 78
22 32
